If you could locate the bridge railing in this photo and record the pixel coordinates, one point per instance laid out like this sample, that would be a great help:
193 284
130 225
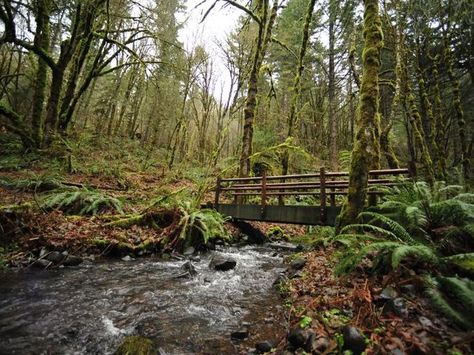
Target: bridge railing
325 185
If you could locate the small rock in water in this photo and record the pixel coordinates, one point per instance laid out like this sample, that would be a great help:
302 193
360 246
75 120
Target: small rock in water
135 345
284 246
127 258
353 340
190 268
189 251
195 258
55 257
72 260
220 263
240 334
264 346
41 263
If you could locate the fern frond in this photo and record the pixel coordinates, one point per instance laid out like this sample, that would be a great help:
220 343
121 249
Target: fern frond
369 228
421 252
464 261
465 197
391 225
446 294
349 239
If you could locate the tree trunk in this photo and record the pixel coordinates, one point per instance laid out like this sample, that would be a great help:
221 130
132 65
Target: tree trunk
263 38
42 41
297 82
366 152
332 89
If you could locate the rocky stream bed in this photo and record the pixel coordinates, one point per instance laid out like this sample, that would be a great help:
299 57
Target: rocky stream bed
183 306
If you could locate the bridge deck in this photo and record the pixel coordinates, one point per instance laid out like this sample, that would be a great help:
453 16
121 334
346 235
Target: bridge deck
323 186
308 215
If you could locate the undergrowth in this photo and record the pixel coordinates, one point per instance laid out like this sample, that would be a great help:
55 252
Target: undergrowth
82 202
430 231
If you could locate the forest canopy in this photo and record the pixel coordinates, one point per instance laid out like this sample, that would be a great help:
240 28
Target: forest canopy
294 79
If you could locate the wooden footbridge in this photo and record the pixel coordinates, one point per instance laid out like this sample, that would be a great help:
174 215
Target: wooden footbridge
280 198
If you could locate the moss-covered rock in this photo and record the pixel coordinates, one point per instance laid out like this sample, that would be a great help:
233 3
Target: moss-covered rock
136 345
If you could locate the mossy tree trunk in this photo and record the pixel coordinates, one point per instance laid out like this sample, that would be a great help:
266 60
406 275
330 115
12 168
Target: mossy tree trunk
297 82
438 133
41 40
332 87
265 27
458 109
366 152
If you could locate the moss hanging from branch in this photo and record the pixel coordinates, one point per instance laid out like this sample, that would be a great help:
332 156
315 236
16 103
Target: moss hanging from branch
366 153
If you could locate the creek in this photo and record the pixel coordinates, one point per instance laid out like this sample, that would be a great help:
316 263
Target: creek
91 308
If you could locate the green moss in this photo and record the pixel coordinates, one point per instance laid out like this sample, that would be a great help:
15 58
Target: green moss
366 152
100 243
277 233
136 345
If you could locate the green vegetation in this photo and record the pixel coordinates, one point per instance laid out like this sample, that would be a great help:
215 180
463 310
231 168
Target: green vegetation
429 229
136 345
82 202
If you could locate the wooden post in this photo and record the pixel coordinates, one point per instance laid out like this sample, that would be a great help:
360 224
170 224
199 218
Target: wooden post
264 192
332 198
322 196
218 192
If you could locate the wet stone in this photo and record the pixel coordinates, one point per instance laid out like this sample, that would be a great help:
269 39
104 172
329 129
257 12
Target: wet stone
41 263
72 260
425 322
240 334
189 251
388 293
55 257
353 340
220 263
396 306
189 268
298 263
264 346
297 338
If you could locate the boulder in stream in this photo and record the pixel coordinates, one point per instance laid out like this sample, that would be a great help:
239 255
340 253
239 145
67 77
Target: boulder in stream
72 260
221 263
136 345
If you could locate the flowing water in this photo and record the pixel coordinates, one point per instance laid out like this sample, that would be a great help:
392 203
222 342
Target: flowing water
89 309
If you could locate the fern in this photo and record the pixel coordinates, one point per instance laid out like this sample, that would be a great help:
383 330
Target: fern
465 197
397 229
464 261
453 297
349 239
451 212
83 202
420 252
371 228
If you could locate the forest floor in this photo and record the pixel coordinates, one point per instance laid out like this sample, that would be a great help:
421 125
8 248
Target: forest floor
327 314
